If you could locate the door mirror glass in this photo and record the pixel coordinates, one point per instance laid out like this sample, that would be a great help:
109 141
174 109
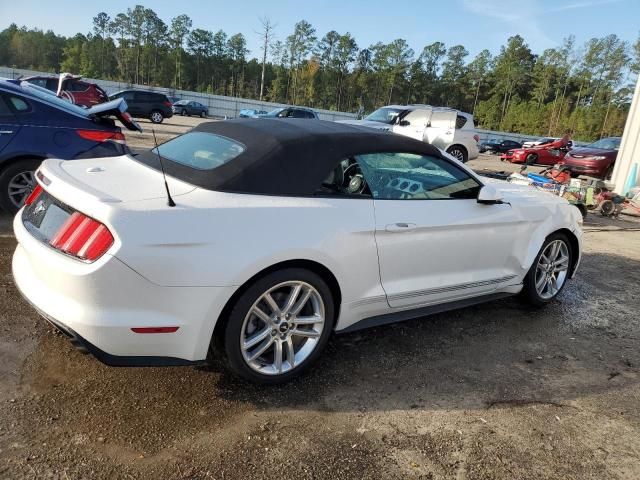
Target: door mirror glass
488 195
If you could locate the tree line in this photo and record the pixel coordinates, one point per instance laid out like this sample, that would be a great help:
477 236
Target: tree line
586 88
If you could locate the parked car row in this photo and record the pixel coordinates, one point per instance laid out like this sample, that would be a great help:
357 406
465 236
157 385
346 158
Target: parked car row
595 160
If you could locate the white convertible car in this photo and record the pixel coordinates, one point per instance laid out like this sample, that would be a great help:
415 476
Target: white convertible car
275 234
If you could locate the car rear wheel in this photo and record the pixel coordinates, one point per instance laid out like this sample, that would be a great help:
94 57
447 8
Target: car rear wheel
156 116
550 270
16 183
183 112
458 152
279 326
202 114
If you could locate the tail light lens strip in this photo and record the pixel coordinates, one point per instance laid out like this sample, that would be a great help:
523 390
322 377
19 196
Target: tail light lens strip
82 237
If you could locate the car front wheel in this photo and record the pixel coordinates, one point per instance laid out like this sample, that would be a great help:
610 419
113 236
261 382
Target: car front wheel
156 116
550 270
16 183
279 326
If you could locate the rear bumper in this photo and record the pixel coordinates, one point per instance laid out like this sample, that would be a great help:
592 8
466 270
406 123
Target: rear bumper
98 304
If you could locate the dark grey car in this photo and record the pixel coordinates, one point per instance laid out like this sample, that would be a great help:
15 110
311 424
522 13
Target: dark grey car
291 112
189 107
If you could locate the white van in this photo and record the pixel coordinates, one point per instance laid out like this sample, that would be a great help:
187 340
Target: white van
446 128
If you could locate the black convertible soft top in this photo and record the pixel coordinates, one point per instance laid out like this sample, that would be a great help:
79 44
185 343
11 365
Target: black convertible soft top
286 156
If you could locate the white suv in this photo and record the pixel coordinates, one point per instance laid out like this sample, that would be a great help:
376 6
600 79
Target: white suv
446 128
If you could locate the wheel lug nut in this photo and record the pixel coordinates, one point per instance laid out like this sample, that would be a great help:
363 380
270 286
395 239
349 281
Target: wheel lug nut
273 332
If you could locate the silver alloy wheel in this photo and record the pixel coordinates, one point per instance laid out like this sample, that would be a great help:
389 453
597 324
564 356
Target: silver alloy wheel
20 186
156 117
282 328
552 268
457 153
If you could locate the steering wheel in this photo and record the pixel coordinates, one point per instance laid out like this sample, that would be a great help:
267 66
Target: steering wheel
353 180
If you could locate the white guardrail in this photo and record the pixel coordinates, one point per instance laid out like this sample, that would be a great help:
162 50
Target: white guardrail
219 105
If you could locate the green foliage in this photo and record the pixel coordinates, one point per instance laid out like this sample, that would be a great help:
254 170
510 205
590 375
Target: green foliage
585 88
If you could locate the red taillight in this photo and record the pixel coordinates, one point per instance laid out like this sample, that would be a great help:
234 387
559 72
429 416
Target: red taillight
476 138
167 103
82 237
101 136
33 196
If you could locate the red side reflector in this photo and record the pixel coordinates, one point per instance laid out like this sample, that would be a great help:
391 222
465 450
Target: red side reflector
101 136
33 196
154 329
476 138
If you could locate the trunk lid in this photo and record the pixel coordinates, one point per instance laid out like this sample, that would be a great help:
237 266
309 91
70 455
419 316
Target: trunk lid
110 180
118 109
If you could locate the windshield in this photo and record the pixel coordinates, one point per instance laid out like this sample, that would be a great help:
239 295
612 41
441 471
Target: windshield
181 102
50 97
612 143
199 150
384 115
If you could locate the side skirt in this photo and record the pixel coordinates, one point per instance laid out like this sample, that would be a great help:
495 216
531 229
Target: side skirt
403 315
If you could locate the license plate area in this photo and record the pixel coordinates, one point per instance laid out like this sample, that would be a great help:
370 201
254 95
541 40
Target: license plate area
44 217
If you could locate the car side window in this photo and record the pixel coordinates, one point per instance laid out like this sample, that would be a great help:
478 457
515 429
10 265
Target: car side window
78 86
18 104
4 109
126 95
41 82
461 121
410 176
345 180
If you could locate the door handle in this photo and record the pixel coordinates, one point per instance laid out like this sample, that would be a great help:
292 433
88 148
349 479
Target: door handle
6 132
400 227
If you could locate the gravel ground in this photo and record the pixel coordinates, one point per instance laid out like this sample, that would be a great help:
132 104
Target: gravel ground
497 391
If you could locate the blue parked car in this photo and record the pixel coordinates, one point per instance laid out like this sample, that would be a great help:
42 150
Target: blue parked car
35 124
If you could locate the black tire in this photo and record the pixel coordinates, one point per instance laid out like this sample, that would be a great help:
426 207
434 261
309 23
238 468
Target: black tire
183 112
459 152
9 173
232 332
531 159
529 291
202 114
608 173
156 116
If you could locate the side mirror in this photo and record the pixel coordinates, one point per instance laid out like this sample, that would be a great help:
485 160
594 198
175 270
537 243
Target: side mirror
405 123
489 196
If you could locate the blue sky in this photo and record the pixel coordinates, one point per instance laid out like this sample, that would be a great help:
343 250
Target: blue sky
476 24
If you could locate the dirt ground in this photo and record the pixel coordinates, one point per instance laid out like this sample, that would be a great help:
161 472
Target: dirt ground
497 391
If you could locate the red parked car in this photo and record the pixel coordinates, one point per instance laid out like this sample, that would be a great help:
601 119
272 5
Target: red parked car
534 155
594 160
72 88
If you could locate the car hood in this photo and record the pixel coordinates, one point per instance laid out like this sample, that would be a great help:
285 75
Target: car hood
108 179
592 152
368 123
524 194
